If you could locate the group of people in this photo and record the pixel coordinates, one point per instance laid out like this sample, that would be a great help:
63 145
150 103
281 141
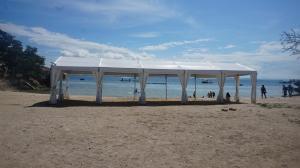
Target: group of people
287 90
211 94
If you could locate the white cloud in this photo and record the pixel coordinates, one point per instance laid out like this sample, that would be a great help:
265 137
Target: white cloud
145 35
268 52
121 13
114 12
70 46
196 50
229 46
121 7
262 59
270 47
191 21
258 42
167 45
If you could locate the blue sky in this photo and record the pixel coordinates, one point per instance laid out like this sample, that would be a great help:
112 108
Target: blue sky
246 32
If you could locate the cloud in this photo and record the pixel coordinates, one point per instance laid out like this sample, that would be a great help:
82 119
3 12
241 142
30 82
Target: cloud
229 46
267 52
121 13
191 21
272 47
258 42
71 46
121 7
145 35
263 59
114 12
167 45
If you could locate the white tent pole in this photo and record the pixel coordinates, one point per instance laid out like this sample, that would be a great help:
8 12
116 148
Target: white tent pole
67 95
221 81
184 77
99 79
134 87
97 87
253 88
195 87
143 81
54 77
60 93
237 88
166 84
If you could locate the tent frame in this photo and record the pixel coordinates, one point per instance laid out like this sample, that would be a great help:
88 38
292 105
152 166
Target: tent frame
143 73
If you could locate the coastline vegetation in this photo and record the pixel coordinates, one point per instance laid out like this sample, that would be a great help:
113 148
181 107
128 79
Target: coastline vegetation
21 67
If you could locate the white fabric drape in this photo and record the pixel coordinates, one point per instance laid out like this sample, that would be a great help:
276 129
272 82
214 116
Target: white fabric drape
60 89
99 78
237 89
253 88
221 82
67 95
184 78
55 74
143 81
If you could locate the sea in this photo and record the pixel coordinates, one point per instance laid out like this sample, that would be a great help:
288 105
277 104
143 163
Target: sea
124 86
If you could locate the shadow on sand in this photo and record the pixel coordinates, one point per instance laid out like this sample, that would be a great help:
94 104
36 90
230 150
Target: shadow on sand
78 103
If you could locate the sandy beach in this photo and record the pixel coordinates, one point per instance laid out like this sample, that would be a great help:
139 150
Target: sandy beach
82 134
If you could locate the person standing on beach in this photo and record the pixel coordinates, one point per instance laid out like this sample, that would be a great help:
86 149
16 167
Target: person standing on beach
284 90
263 91
290 90
228 97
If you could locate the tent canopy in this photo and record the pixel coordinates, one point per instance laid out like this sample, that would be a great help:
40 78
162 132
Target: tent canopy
156 67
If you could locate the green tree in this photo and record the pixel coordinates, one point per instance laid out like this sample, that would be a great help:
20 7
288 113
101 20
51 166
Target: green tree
21 64
10 52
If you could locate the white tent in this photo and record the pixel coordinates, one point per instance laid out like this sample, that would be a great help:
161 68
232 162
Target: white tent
145 68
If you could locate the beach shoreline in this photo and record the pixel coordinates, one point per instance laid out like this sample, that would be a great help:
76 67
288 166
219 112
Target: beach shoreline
83 134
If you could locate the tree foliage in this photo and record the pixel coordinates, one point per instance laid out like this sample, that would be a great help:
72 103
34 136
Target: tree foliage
290 42
20 63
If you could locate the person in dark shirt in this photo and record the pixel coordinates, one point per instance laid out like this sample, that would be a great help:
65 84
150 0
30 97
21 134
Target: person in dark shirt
284 90
290 90
227 97
263 91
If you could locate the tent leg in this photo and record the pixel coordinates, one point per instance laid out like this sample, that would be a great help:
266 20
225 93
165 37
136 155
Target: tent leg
166 83
237 89
195 92
143 81
61 94
253 88
53 83
99 78
184 77
221 81
67 95
134 87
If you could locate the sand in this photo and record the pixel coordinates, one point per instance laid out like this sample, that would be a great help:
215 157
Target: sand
82 134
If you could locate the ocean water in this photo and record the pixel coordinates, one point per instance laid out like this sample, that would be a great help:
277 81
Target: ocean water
156 88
